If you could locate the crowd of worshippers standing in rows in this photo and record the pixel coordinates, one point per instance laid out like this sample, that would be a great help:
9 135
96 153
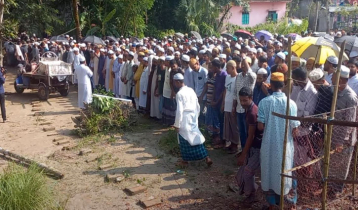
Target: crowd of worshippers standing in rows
232 87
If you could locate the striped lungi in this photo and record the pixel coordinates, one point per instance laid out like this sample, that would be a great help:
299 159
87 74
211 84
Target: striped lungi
191 153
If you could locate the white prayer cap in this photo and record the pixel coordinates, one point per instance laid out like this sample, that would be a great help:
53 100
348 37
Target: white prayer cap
194 41
201 51
76 49
211 46
177 53
161 50
259 50
110 52
270 41
181 47
237 46
71 37
162 58
237 52
222 56
74 41
72 44
185 58
216 58
145 59
194 48
169 58
102 50
82 59
120 56
151 52
248 47
127 39
332 59
345 72
155 58
67 36
171 49
353 54
240 38
281 55
144 48
253 50
224 39
203 47
131 53
36 43
82 45
219 47
262 71
178 76
116 43
294 58
118 49
316 74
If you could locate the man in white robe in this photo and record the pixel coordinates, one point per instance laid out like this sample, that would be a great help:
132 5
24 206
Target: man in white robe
83 74
186 123
109 58
123 88
144 84
75 63
117 72
129 75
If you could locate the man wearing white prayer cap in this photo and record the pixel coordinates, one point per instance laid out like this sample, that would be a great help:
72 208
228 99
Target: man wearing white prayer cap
186 123
343 139
117 67
317 78
188 72
83 74
330 66
261 88
295 62
109 81
353 76
280 58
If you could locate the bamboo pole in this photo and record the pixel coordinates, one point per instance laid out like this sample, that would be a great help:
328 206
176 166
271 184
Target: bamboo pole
318 120
287 122
327 146
22 160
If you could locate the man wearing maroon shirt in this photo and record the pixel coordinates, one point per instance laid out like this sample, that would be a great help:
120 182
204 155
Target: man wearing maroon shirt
249 160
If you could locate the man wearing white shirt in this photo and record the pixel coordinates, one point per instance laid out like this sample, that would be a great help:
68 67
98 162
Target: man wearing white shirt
330 66
188 72
222 58
83 74
353 77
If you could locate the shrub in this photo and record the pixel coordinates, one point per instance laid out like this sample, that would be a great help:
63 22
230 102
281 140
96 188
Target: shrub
22 189
169 143
104 115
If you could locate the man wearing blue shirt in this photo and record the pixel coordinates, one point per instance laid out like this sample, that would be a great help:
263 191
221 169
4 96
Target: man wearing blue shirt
2 94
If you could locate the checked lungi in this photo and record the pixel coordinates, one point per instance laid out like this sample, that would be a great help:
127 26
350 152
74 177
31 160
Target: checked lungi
191 153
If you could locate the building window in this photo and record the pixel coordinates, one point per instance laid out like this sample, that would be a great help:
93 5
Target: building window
272 15
245 18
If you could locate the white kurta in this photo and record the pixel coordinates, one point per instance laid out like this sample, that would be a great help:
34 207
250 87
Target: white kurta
108 73
129 78
117 72
84 74
143 88
76 62
187 114
154 100
123 88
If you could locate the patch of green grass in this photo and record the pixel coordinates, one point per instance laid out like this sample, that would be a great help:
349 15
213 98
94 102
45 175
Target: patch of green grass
25 189
169 142
126 173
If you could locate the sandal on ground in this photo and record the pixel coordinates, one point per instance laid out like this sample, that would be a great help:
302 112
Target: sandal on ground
208 161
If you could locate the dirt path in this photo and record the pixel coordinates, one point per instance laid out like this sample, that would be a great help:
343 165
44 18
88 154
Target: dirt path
135 154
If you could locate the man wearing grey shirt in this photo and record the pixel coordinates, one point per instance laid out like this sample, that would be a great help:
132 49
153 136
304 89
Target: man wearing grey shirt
343 137
200 76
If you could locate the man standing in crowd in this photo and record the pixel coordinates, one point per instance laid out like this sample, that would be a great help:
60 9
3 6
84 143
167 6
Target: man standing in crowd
186 123
272 142
246 78
330 67
83 74
2 93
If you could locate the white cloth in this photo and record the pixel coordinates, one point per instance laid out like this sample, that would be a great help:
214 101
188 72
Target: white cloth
255 66
305 99
353 83
154 100
84 74
117 72
328 78
230 90
129 78
188 78
187 114
143 88
18 52
167 91
123 89
76 62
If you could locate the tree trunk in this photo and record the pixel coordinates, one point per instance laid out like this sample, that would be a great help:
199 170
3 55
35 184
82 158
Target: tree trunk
77 19
2 5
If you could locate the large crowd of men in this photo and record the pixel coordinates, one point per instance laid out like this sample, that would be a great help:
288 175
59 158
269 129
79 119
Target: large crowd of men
230 85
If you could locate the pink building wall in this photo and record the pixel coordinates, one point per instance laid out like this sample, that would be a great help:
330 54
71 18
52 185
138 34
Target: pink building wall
258 12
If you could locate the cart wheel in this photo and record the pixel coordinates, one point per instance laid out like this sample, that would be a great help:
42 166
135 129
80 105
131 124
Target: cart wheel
43 92
64 92
18 89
